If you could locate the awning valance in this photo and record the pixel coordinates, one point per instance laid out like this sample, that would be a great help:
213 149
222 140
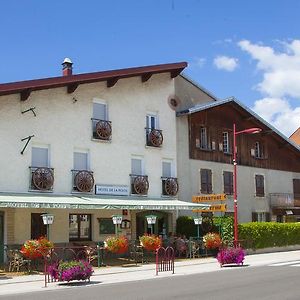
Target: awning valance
93 202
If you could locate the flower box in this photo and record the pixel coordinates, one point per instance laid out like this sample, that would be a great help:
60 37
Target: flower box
71 270
212 240
34 249
118 245
231 256
150 242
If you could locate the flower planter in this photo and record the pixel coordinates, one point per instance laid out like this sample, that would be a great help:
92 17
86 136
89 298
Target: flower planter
34 249
150 242
117 245
228 256
71 270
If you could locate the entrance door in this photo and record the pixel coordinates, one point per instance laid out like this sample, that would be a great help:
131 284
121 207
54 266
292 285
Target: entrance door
38 228
1 238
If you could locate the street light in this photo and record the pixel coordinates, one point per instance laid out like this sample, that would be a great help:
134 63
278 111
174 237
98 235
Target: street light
253 130
117 220
151 220
47 220
198 222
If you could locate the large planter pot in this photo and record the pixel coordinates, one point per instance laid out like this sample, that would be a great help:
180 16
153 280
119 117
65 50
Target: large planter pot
231 256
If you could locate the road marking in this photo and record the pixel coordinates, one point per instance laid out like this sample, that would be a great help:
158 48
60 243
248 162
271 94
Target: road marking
294 263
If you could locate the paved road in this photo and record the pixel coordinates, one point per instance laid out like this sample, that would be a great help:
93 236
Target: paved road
274 281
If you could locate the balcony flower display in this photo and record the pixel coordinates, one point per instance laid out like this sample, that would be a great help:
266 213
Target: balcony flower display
116 244
150 242
71 270
212 240
231 256
34 249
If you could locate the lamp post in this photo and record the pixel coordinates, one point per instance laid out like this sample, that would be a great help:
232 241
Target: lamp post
47 220
151 220
117 220
235 133
198 222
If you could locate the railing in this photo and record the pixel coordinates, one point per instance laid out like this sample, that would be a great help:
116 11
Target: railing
169 186
283 200
41 178
139 184
83 181
102 129
154 137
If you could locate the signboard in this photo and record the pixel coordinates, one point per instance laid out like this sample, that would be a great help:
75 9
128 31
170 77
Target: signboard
208 198
114 190
213 208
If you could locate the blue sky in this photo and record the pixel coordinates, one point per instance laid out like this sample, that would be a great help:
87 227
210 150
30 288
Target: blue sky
246 49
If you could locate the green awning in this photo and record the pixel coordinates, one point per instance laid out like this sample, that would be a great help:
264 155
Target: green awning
94 202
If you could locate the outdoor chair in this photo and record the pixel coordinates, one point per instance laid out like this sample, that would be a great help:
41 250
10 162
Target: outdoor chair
136 253
194 250
16 261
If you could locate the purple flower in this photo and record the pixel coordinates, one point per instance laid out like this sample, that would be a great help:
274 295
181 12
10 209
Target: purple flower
231 256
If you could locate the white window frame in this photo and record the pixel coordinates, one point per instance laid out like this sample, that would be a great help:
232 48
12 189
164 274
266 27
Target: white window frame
101 101
85 151
152 115
203 129
225 141
42 146
257 149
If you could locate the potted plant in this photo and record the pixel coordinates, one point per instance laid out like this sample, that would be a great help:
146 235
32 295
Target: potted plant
150 242
231 255
71 270
33 249
115 244
212 241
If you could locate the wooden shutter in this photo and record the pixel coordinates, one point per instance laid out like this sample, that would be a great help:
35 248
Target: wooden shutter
259 183
268 217
209 181
296 188
228 182
206 181
254 217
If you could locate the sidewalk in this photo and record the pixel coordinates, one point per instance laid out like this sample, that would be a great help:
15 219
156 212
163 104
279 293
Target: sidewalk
109 275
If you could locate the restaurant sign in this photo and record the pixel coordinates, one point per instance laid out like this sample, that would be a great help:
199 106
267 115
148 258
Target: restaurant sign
208 198
113 190
213 208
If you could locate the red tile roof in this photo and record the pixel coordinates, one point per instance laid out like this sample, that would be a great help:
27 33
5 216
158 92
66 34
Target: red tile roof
72 81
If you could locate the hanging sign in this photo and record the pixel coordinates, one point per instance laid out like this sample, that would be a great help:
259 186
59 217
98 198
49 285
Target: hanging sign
213 208
210 197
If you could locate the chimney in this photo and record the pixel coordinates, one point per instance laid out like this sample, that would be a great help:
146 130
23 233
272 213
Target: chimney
67 67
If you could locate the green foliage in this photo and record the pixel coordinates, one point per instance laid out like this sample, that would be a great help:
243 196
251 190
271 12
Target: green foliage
185 225
226 229
269 234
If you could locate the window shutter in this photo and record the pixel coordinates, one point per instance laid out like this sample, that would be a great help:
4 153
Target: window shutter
268 217
203 181
254 217
259 182
166 169
99 111
296 188
228 182
39 157
209 181
80 161
136 166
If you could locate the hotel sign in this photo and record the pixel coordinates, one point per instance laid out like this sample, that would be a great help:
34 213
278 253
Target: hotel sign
208 198
113 190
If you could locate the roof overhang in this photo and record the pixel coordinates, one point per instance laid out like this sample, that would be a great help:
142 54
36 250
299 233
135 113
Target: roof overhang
73 202
73 81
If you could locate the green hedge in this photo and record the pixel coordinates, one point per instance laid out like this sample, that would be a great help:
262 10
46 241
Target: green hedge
269 234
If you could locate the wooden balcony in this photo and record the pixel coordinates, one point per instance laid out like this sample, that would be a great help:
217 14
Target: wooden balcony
83 181
154 137
41 178
139 184
169 186
102 129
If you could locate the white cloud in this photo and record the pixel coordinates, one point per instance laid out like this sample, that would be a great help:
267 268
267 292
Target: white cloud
280 82
200 61
226 63
279 113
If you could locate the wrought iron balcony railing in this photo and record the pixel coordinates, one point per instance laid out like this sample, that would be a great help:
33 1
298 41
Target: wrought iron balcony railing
169 186
139 184
83 181
154 137
102 129
41 178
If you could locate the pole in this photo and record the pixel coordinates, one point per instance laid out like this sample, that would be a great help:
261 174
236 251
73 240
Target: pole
198 231
235 188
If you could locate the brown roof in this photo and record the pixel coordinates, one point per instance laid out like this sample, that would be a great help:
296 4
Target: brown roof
72 81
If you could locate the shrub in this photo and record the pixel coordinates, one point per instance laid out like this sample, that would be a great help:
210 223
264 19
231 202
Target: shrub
150 242
185 226
269 234
226 225
33 249
212 240
118 245
231 256
71 270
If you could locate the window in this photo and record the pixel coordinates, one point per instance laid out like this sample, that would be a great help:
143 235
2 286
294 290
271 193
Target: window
151 122
226 142
259 150
79 227
102 129
169 184
228 182
136 166
100 111
166 169
40 157
260 217
38 228
259 185
81 161
106 226
203 138
206 181
296 188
